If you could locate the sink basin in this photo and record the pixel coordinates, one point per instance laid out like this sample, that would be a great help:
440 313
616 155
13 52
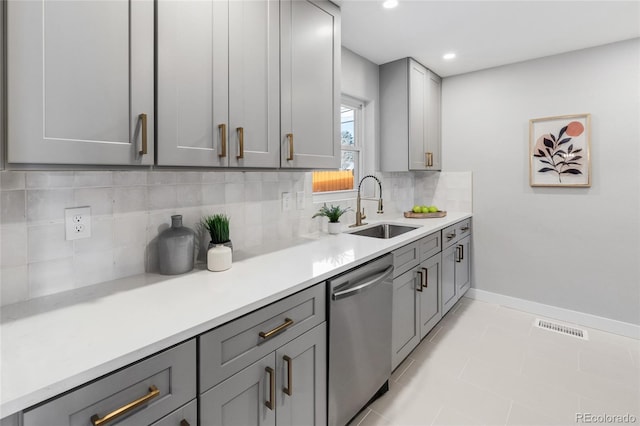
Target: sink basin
384 230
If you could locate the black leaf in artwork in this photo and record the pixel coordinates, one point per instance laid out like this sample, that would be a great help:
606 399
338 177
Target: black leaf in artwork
546 162
552 137
548 143
570 148
541 153
564 129
545 169
549 151
563 141
577 150
571 172
576 158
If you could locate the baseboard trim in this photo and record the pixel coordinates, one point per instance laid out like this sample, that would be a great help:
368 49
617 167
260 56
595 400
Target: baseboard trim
600 323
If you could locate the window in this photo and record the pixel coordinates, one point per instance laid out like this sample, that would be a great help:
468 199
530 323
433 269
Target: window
351 155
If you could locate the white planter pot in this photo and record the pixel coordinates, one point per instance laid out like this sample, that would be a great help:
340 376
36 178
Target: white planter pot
335 227
219 258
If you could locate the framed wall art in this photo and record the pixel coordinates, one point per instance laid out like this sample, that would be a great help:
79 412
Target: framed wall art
559 151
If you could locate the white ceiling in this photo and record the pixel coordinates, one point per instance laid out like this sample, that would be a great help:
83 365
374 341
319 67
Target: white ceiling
484 34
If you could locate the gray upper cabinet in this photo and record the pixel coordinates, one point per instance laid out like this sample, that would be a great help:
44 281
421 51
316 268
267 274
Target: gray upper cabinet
310 69
218 83
410 124
80 82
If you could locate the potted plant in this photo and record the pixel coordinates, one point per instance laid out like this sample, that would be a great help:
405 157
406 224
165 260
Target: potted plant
332 213
219 254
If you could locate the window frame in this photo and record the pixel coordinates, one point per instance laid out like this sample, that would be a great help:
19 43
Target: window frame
359 147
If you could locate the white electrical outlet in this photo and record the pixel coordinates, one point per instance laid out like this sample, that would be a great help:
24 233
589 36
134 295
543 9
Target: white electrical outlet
77 223
286 201
300 200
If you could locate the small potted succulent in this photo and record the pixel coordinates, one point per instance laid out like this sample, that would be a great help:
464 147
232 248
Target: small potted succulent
219 254
332 213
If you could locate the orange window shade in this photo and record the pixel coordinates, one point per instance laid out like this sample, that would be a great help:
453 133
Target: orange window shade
339 180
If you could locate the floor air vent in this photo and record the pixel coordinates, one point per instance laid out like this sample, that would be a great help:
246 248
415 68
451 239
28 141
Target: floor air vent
562 329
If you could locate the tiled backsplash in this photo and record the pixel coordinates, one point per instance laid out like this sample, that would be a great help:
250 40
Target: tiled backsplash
130 208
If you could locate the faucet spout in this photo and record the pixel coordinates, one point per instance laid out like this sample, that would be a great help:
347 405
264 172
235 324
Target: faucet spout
360 211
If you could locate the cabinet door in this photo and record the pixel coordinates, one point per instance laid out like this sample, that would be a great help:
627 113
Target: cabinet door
254 83
430 312
302 379
193 77
424 118
463 266
449 289
80 74
405 334
242 399
310 69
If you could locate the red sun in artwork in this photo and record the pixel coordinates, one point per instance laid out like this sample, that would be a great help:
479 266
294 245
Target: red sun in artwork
575 128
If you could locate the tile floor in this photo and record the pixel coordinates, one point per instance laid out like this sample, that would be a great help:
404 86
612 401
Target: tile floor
485 364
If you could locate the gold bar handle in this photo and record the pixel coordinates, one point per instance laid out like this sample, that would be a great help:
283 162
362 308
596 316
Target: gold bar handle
240 131
428 159
421 280
143 125
272 388
223 140
183 422
287 323
97 421
289 389
425 283
290 138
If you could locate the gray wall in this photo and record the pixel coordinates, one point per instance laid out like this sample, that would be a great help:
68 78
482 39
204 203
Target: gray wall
573 248
359 80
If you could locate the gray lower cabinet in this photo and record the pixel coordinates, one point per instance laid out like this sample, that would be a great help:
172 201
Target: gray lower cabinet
140 394
286 387
456 272
186 415
416 294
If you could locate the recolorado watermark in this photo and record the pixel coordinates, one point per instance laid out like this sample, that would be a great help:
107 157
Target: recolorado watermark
605 418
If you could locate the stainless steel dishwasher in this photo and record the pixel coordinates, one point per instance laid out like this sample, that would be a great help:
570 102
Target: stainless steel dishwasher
359 337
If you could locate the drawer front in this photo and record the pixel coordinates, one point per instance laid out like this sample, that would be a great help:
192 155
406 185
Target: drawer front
450 235
183 416
229 348
405 258
172 373
430 245
463 228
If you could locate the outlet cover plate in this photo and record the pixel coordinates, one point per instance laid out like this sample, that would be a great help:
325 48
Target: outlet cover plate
77 223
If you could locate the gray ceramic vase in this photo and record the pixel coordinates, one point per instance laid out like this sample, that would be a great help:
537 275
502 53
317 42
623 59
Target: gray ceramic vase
176 248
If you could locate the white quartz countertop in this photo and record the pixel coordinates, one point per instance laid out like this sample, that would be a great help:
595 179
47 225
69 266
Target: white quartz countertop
53 344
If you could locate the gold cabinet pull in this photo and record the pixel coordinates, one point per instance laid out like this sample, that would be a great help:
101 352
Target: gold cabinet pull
287 323
223 140
272 388
289 389
240 131
97 421
428 160
425 283
421 280
290 138
143 125
183 422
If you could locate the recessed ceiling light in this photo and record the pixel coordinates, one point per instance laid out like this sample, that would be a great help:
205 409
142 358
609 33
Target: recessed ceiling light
390 4
448 56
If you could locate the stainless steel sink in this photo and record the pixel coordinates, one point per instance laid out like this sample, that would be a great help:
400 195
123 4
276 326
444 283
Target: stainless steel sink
384 230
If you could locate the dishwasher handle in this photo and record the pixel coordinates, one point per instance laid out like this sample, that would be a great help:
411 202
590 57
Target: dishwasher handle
377 279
